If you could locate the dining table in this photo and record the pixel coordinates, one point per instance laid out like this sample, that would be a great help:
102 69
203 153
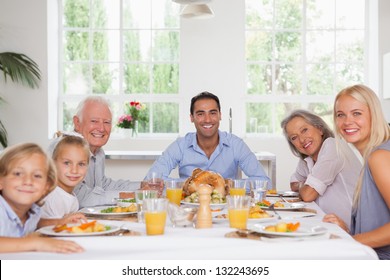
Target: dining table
218 242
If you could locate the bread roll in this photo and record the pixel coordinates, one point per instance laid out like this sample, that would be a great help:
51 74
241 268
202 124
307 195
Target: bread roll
126 195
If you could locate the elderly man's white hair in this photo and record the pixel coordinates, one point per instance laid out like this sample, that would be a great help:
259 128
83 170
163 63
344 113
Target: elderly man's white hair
91 98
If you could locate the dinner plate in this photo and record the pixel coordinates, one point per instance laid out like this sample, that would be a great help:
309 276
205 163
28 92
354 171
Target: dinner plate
250 221
213 206
124 202
301 232
49 231
287 206
284 194
96 211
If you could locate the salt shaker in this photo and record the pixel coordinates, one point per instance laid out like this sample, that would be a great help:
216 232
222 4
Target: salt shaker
204 219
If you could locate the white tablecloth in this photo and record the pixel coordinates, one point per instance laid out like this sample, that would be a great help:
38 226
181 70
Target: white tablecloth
198 244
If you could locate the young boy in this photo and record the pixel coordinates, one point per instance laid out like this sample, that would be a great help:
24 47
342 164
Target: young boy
27 175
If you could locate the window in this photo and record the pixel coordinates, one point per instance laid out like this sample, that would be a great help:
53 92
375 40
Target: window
299 54
126 50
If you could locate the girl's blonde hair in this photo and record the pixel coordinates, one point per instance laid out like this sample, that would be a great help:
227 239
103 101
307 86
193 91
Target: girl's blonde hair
380 131
21 151
71 140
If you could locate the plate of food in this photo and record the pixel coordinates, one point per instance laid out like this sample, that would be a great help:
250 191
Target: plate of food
274 193
256 215
85 229
288 229
124 202
279 205
110 210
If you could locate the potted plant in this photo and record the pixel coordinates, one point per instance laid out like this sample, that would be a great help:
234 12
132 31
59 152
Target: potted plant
20 69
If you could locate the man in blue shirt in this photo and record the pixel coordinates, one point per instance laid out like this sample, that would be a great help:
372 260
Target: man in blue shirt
208 148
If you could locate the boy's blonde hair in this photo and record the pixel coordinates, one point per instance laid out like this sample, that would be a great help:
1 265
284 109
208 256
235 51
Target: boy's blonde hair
20 151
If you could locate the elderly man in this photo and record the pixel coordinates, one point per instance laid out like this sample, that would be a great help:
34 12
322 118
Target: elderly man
208 148
93 120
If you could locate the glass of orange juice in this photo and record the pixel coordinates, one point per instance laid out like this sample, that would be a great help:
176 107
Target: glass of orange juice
155 212
238 210
237 187
174 190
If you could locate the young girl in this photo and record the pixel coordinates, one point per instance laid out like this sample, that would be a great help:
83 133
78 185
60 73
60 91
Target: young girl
26 176
71 157
360 121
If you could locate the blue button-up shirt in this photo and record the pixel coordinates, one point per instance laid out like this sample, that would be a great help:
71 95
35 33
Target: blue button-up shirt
11 225
230 154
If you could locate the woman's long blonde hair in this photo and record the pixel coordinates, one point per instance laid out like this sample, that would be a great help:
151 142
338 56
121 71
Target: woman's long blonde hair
380 131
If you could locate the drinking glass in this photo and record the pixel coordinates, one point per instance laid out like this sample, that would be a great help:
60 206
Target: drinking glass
174 190
140 195
238 210
155 210
237 187
258 189
154 182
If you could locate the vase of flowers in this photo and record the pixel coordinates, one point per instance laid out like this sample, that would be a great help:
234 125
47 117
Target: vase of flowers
134 115
125 122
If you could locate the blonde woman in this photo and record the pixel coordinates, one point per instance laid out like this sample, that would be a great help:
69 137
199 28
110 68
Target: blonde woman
360 121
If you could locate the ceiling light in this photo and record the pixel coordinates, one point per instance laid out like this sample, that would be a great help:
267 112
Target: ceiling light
197 11
192 1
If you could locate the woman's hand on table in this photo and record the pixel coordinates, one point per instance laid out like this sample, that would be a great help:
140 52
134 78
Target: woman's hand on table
332 218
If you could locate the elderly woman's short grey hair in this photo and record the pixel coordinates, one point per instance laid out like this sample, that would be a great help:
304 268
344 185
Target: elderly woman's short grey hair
311 119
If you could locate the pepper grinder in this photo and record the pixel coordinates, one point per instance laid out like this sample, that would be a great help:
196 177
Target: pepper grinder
204 219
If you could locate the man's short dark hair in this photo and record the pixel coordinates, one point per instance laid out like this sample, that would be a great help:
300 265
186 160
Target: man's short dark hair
204 95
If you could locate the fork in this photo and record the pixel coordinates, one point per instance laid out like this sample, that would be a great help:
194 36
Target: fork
272 207
282 198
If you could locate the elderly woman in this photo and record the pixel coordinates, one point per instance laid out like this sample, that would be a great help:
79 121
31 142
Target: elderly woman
326 173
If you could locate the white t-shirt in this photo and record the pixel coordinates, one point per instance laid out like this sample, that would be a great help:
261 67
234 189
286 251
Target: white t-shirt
59 203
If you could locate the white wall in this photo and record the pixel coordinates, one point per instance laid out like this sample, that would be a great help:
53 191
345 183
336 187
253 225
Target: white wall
384 47
215 62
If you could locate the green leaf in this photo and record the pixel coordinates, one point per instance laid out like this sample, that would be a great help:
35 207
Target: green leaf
3 135
20 69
